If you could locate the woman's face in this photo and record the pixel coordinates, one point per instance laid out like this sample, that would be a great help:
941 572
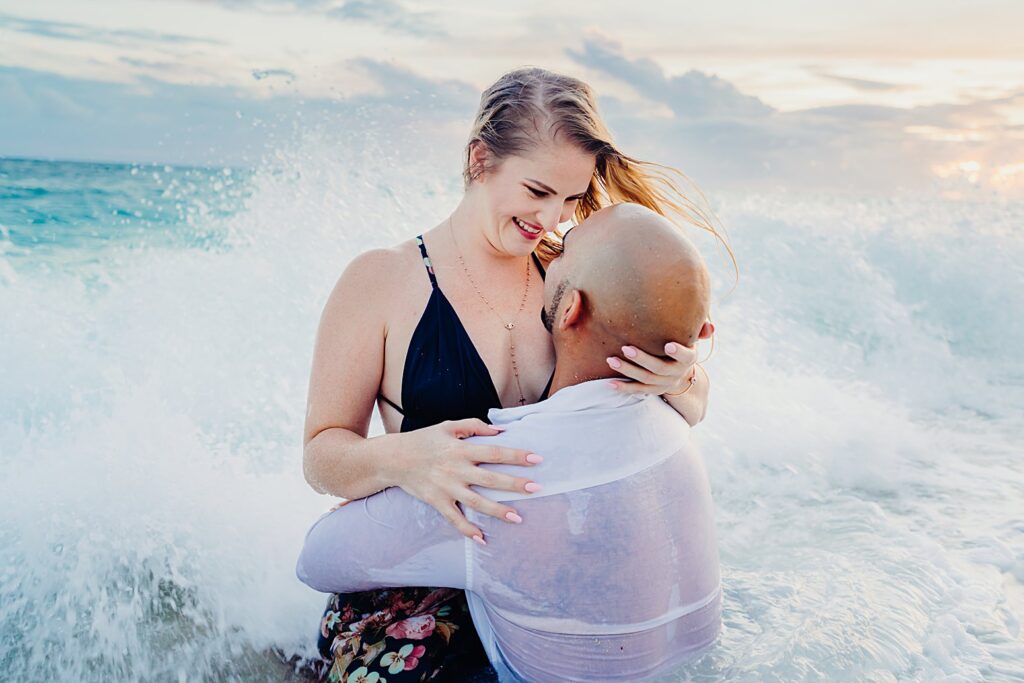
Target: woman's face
531 194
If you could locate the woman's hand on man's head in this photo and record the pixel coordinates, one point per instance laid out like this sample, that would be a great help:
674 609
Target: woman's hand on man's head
653 375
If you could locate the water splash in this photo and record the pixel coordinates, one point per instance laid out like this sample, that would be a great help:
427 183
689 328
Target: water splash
863 437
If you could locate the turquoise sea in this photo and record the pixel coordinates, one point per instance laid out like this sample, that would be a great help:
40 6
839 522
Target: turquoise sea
865 438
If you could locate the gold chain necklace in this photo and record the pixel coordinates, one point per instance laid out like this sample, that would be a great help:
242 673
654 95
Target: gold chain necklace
509 326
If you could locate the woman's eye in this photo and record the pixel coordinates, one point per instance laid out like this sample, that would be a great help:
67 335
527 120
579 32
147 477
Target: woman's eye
537 193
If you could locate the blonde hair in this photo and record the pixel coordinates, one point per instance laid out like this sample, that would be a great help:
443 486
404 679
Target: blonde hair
526 106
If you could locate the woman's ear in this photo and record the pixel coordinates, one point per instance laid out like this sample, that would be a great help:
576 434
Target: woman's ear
478 156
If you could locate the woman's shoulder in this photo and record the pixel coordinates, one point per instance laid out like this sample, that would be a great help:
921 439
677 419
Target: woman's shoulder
377 273
373 262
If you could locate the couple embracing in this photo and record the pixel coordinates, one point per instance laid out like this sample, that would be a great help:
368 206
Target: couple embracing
601 562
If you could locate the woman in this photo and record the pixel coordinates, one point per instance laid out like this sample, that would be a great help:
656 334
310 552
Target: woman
438 330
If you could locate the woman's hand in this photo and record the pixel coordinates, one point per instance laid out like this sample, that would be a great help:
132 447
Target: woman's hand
654 375
438 467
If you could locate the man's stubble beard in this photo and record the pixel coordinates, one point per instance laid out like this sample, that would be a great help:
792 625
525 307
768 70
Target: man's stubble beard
548 318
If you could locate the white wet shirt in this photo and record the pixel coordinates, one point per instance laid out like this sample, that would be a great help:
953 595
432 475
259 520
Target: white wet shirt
613 574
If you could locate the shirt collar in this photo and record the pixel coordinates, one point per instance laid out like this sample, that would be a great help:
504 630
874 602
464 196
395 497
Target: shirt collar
595 393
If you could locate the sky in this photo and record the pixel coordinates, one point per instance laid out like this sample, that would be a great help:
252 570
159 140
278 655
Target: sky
866 95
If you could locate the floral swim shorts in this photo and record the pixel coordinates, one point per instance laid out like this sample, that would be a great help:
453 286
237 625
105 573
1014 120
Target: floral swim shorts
400 635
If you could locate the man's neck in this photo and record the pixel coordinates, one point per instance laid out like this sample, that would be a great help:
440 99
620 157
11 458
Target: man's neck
572 370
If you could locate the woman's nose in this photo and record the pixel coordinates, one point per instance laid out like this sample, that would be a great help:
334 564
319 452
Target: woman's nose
550 217
567 213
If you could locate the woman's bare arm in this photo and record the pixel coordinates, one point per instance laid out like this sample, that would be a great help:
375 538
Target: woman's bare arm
693 405
432 464
348 362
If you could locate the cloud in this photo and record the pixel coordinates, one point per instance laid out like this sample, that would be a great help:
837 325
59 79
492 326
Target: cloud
858 112
51 116
149 64
63 30
400 84
46 115
262 74
388 14
863 84
725 138
704 125
692 95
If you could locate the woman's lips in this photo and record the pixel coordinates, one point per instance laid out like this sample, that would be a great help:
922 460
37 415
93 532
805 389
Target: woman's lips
528 230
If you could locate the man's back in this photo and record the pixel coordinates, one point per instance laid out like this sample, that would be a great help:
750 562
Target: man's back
613 573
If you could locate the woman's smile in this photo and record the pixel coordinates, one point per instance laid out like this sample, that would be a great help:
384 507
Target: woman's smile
528 230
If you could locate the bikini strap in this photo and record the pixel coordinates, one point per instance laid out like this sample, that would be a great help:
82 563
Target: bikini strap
540 266
392 404
426 261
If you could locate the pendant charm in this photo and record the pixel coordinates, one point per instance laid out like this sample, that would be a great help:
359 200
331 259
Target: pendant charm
509 326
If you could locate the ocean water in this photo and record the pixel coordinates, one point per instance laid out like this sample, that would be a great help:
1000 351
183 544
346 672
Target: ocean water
864 438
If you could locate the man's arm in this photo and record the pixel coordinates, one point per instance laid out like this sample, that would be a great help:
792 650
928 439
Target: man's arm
387 539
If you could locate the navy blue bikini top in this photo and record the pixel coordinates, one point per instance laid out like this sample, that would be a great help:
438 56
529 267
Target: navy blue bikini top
444 376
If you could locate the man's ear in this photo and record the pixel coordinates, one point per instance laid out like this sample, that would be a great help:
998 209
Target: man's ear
572 314
706 330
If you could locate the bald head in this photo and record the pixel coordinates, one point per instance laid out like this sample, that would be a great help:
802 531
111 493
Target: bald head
627 276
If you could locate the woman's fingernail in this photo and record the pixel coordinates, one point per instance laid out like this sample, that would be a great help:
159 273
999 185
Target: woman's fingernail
534 458
613 385
629 351
480 539
497 428
532 487
513 517
614 362
670 348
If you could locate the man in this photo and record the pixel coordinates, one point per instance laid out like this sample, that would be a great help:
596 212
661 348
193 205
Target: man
613 573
